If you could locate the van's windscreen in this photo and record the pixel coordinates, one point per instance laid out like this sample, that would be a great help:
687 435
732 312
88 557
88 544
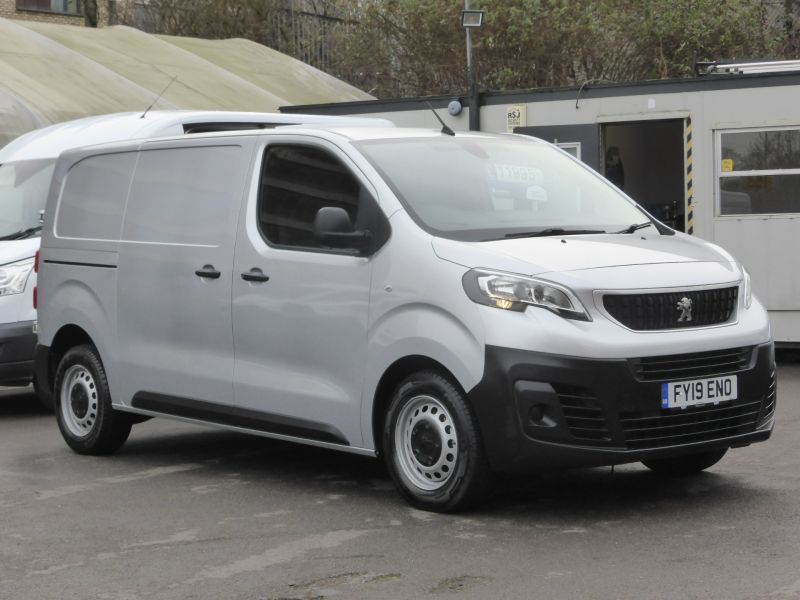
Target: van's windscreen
472 188
23 193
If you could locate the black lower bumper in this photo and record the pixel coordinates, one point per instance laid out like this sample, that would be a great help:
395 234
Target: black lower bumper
17 344
539 411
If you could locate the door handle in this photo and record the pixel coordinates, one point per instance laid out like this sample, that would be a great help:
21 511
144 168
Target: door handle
256 275
208 271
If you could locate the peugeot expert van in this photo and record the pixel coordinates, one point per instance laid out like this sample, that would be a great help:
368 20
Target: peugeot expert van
26 167
459 305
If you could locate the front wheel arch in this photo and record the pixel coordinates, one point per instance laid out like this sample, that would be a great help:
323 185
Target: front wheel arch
389 381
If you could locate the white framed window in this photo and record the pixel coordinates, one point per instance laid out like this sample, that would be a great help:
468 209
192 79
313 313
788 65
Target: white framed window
758 171
572 148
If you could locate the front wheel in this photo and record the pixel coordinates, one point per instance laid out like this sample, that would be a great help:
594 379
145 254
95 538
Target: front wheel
83 409
432 445
685 465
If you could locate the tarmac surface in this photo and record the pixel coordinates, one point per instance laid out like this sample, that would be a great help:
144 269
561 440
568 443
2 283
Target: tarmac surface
184 512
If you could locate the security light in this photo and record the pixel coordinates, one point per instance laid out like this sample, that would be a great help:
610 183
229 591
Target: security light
472 18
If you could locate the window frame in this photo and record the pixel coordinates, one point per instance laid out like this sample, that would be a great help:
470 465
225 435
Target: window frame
719 175
20 5
354 171
567 146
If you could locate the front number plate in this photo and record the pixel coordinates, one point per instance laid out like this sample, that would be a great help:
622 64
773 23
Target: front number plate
680 394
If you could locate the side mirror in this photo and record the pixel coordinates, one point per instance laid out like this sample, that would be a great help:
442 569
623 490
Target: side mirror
333 229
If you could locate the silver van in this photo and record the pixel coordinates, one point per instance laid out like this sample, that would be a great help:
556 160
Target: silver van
460 305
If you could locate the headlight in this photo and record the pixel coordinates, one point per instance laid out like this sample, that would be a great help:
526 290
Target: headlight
515 292
747 289
14 276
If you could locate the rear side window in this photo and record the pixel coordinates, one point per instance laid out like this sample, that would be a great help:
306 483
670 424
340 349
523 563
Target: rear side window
184 195
93 197
296 181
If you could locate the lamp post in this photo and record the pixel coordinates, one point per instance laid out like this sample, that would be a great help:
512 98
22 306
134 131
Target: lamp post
471 19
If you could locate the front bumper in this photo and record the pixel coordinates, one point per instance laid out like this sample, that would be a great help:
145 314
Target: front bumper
540 411
17 344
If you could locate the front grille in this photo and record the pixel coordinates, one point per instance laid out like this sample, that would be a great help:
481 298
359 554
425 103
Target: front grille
647 312
676 367
584 417
694 424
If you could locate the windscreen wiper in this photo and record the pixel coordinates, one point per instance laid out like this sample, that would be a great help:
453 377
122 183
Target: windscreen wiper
552 231
22 233
634 227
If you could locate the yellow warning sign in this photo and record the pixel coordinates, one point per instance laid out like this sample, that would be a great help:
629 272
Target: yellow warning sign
727 165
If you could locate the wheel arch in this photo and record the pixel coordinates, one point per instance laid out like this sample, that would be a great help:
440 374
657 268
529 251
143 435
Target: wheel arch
68 336
391 378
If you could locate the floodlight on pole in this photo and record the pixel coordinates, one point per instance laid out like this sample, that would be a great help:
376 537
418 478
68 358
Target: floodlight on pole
471 19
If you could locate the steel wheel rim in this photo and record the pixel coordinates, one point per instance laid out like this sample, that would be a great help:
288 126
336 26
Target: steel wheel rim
426 443
78 401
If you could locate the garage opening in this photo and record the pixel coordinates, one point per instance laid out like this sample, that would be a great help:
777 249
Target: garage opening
646 159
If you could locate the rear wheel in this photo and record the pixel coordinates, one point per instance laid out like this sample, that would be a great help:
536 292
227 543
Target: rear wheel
685 465
432 445
83 409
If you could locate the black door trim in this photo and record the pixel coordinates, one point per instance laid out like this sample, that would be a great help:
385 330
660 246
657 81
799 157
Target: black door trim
238 417
79 264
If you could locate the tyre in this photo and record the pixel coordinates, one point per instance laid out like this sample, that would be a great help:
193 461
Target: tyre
432 445
685 465
83 404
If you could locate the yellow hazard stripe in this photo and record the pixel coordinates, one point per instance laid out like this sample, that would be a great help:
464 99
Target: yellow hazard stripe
689 178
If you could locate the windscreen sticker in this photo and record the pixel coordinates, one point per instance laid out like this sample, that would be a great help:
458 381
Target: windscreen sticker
516 173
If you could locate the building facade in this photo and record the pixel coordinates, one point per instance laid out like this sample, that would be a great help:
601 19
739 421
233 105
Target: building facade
91 13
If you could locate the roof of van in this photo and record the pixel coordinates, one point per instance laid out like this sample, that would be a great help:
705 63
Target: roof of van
352 133
375 133
49 142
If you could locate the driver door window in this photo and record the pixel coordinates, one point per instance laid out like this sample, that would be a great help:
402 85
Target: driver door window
297 181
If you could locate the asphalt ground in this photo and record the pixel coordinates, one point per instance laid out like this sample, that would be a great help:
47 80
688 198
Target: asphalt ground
183 512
